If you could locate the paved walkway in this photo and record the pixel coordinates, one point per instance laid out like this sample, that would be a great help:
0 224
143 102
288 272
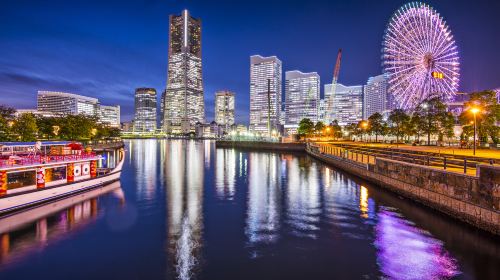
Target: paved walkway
485 153
357 156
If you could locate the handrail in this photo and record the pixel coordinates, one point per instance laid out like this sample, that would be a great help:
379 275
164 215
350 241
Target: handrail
352 153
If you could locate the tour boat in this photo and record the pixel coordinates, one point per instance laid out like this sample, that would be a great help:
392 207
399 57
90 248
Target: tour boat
35 173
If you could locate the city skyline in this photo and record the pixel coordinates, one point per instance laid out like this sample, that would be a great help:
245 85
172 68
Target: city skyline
53 59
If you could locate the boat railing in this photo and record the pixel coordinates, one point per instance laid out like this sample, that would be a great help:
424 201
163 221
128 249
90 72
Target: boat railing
43 159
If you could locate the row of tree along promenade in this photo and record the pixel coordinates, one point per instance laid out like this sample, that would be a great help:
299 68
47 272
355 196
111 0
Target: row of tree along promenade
430 122
30 127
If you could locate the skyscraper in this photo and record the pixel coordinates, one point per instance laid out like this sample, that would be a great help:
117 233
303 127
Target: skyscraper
265 93
224 108
302 94
375 96
347 103
184 102
145 110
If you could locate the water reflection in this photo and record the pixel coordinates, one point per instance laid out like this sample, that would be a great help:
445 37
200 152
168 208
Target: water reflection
184 187
303 196
407 252
363 201
225 173
264 191
145 163
32 230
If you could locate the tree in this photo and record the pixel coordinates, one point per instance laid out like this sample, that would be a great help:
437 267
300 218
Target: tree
447 122
434 111
319 127
77 127
418 123
398 119
336 129
488 116
6 122
377 125
25 127
306 127
351 129
48 127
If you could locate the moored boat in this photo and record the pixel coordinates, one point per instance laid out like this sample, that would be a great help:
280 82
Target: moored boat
35 173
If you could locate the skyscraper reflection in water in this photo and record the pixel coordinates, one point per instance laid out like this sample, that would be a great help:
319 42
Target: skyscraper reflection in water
264 195
225 173
184 188
303 198
145 163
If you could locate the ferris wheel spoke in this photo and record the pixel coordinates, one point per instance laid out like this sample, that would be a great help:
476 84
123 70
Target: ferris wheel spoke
398 38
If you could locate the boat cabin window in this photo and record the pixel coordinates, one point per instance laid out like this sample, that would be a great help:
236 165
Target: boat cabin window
55 174
21 179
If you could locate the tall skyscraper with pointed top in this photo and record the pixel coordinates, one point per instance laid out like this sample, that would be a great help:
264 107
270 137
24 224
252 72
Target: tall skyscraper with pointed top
184 98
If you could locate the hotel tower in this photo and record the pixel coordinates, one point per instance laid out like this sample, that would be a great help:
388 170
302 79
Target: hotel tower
184 102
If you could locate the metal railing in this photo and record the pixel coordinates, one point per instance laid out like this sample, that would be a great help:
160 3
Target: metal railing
368 155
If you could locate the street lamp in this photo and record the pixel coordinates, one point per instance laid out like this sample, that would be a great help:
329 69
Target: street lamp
474 111
364 125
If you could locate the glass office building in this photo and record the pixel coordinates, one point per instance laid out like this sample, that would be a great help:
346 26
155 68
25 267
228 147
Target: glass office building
66 103
145 110
375 96
224 108
347 103
265 93
302 96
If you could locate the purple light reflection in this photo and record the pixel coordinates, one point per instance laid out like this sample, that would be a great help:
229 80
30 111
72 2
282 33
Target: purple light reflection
406 252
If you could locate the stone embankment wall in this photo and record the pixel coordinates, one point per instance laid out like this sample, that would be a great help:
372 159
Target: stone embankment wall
267 146
475 200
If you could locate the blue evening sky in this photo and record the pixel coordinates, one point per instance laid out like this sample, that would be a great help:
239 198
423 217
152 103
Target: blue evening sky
106 49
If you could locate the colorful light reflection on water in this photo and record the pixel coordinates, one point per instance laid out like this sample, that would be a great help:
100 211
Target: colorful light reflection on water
407 252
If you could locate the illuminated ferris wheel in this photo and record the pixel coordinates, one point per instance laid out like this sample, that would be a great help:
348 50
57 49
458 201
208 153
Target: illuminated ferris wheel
419 56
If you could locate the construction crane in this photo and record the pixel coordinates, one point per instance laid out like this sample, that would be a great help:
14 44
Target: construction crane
334 83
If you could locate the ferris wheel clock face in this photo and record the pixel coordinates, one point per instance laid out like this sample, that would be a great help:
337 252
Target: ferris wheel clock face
419 56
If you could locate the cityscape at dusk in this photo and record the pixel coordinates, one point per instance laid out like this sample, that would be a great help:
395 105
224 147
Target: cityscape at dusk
249 139
106 49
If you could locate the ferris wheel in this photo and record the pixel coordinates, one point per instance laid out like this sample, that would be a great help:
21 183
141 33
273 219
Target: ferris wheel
419 56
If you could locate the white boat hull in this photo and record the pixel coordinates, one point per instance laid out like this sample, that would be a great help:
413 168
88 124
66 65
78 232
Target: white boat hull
25 200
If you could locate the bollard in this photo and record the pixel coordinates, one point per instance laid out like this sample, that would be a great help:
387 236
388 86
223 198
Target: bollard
465 166
444 163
